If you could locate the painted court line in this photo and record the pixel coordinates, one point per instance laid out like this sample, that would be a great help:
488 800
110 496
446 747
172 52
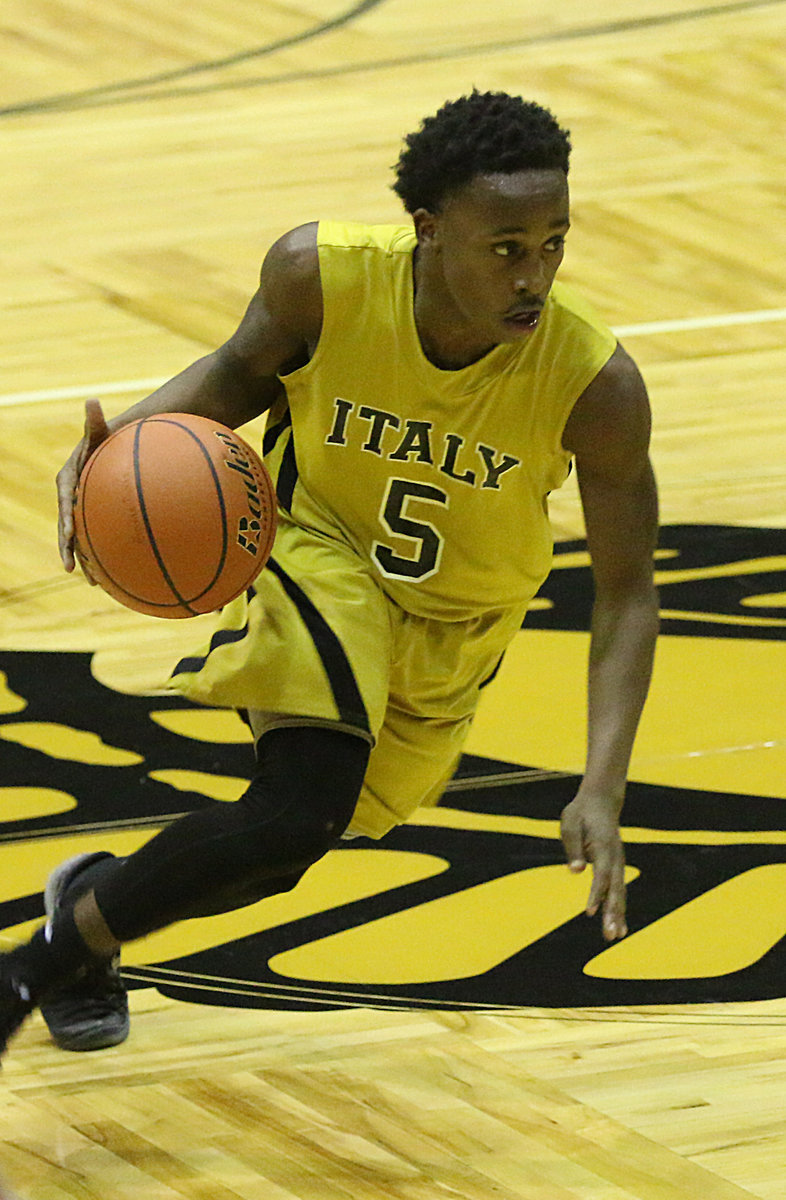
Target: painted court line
716 322
83 391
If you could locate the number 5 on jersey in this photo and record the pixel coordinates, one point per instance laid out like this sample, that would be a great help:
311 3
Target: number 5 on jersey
426 541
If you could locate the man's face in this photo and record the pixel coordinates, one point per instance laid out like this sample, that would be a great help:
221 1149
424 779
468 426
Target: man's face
496 246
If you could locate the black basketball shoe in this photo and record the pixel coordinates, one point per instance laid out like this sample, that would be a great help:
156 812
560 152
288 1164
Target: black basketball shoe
16 1000
90 1011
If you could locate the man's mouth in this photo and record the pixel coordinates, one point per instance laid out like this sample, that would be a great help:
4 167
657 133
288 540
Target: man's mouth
524 319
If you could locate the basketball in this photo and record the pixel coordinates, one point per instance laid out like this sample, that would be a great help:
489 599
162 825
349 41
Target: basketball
175 515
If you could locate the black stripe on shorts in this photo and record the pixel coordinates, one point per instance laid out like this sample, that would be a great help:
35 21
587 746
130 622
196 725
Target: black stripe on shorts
341 677
346 693
220 638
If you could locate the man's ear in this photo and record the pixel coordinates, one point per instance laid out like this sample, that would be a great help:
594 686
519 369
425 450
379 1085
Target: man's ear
426 227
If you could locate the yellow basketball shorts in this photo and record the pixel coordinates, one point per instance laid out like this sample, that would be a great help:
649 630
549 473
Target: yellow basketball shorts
316 639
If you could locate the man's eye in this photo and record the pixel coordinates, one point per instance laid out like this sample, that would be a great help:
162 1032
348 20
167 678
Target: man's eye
504 249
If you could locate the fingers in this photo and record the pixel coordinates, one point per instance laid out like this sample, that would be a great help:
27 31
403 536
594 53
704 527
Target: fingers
66 490
573 841
608 895
590 833
96 430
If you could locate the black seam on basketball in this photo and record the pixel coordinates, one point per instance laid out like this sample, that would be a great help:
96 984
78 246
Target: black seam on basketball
94 556
338 669
221 504
265 487
167 420
140 497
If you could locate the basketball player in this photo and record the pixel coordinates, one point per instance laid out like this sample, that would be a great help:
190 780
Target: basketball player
427 387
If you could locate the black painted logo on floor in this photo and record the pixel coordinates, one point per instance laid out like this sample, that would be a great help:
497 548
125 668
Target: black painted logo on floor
469 906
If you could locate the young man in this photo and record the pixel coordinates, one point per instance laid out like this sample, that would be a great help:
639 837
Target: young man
427 388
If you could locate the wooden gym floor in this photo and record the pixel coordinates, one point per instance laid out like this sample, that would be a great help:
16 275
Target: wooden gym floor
149 156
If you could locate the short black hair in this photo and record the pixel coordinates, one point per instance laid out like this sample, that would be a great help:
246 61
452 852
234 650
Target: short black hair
479 134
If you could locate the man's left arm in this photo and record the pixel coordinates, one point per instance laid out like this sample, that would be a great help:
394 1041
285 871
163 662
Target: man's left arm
608 432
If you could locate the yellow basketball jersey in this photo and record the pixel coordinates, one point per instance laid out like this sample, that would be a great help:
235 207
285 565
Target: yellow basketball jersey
438 479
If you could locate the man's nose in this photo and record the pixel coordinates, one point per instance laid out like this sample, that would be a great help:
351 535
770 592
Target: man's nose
531 275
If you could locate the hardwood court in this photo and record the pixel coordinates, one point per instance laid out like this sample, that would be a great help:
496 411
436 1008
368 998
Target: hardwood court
149 156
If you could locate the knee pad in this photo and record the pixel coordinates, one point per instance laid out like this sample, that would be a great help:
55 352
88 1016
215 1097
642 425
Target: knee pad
304 792
298 804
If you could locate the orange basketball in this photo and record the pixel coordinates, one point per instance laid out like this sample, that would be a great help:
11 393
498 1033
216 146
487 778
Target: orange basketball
175 515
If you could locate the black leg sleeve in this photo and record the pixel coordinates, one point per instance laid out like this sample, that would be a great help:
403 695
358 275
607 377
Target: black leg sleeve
298 804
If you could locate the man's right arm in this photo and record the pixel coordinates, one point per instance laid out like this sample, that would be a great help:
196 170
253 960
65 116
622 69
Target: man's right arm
239 380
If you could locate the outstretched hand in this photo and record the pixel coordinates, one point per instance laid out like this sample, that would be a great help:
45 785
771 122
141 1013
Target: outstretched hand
96 431
590 833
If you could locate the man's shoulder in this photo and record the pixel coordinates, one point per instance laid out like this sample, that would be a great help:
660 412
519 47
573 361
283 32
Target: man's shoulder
355 235
294 253
610 421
